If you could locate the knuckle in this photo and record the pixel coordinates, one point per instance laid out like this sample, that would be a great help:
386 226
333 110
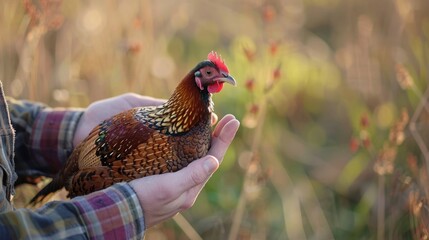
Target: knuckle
197 177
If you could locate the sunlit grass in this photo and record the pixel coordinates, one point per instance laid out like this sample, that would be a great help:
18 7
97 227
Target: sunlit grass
322 86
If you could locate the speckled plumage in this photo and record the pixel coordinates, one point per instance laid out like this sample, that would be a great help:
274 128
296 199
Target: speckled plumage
128 147
146 140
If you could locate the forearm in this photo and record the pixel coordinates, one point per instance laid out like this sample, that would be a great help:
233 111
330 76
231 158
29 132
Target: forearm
50 140
112 213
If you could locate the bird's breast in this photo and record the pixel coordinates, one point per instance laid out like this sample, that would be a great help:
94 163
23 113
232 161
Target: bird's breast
190 146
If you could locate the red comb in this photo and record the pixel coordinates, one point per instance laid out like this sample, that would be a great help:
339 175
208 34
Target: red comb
216 59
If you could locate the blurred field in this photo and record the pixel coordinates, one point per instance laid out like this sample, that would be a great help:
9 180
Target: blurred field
332 99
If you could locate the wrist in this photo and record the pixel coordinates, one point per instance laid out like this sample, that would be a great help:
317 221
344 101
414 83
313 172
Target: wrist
114 212
79 128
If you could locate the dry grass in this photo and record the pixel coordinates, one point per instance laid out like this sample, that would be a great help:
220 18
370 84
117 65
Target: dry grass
326 149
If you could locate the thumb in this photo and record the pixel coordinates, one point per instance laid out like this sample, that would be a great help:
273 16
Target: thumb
196 173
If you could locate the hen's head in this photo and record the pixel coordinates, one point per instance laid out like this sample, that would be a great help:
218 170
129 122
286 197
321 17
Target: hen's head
211 74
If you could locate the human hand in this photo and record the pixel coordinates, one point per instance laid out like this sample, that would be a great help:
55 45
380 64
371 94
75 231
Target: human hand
163 196
103 109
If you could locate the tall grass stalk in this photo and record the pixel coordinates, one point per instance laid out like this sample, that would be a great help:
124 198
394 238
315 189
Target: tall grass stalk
186 227
381 207
256 141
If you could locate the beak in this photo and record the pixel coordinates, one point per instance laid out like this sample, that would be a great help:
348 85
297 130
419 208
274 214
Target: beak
228 79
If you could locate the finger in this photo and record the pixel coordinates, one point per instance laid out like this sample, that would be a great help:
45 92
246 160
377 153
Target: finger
214 119
222 123
221 142
136 100
150 101
196 173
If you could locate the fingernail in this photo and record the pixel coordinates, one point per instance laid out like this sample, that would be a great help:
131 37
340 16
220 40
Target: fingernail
210 165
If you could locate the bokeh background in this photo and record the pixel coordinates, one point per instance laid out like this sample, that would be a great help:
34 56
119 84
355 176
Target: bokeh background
332 99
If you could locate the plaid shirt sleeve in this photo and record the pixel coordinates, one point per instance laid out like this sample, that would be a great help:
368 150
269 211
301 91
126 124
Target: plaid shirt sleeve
43 137
43 142
113 213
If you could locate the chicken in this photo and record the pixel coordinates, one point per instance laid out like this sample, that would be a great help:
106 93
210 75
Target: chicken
146 140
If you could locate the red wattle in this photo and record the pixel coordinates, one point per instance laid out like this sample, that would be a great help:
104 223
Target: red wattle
215 88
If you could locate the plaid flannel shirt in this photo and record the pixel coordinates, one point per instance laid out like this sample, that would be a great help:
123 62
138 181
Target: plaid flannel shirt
43 142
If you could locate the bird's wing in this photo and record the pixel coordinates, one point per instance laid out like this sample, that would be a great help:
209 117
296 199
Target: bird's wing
153 156
110 141
113 140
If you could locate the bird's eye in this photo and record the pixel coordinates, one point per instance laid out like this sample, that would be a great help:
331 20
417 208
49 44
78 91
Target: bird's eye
209 72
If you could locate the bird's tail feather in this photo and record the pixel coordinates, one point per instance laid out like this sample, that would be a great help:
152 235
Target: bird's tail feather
45 193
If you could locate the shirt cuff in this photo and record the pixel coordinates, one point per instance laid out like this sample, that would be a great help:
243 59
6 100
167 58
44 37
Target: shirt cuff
52 137
113 213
